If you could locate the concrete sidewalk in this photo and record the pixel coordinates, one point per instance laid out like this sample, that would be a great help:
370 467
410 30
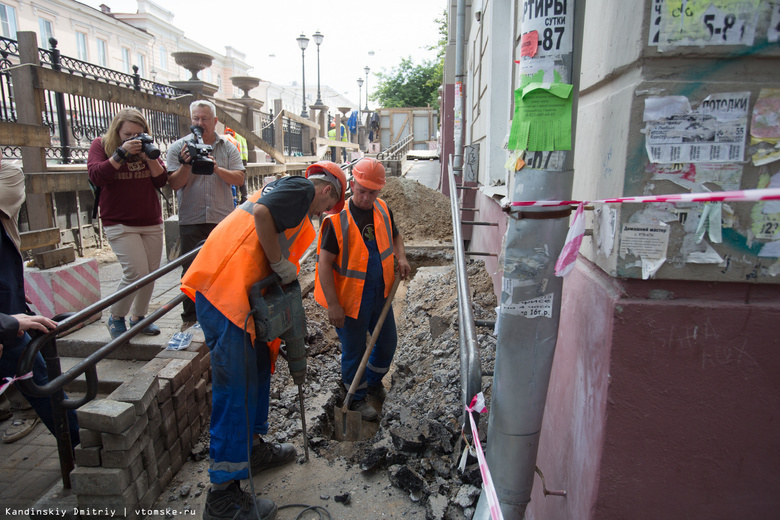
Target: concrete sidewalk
30 466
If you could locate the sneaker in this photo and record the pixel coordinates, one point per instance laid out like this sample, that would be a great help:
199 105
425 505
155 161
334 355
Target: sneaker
19 428
378 392
367 412
116 327
236 504
149 330
186 324
267 455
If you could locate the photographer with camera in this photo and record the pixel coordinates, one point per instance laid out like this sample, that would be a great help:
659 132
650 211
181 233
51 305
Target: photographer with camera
202 168
126 168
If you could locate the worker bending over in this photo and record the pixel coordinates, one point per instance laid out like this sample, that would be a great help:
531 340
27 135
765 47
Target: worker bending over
267 233
354 275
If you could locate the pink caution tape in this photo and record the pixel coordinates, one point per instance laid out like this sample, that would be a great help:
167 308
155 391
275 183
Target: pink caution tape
718 196
478 405
572 245
10 380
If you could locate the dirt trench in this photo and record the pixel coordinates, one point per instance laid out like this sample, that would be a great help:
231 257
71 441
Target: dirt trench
407 465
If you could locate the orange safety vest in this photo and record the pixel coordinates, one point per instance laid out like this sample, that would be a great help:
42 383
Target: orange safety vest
232 260
234 141
351 264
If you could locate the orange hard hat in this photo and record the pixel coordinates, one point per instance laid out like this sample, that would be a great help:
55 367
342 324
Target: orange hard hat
333 125
329 171
369 173
229 130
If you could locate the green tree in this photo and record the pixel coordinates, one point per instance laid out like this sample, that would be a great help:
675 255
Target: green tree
410 85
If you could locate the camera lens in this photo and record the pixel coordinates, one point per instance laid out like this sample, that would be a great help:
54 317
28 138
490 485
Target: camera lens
151 151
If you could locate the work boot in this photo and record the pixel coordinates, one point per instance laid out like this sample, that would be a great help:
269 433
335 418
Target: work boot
367 412
235 504
267 455
149 330
20 427
378 392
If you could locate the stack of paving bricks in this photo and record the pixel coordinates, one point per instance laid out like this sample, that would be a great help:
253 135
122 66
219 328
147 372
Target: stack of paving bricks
135 441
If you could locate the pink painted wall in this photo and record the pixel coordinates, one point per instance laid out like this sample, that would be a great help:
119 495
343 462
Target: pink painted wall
664 402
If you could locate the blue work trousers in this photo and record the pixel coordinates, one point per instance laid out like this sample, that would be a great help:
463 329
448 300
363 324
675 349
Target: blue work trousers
240 387
353 333
42 405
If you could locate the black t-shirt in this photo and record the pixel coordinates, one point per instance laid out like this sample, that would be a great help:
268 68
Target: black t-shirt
288 199
364 219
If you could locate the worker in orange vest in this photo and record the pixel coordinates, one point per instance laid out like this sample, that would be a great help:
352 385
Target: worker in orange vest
268 233
355 272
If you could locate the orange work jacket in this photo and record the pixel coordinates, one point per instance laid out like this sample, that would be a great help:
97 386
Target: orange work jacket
232 260
351 264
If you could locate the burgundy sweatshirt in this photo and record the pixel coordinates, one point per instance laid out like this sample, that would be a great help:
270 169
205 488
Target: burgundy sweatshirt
127 195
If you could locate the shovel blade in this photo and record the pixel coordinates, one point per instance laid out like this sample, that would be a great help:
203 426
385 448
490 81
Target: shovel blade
348 424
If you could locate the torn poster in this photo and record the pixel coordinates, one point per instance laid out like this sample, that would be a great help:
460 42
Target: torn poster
765 127
542 118
553 23
774 25
766 214
714 132
710 221
677 23
541 307
701 177
648 242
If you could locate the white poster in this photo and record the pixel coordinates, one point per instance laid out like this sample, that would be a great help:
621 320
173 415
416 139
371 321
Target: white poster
700 23
553 21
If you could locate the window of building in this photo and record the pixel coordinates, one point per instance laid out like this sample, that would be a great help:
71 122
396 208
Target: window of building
163 57
102 48
8 21
46 32
141 65
125 60
81 46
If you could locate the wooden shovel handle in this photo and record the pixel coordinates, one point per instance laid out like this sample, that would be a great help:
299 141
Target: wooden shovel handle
370 346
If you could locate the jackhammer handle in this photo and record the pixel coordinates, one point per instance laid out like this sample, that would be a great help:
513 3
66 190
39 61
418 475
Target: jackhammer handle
269 281
370 346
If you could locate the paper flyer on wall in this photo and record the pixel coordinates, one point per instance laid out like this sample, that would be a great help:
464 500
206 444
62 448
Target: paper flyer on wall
701 23
714 132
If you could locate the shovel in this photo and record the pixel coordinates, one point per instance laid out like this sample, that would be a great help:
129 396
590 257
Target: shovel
348 423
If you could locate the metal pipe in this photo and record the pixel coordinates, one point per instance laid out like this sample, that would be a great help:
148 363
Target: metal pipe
529 316
470 367
460 75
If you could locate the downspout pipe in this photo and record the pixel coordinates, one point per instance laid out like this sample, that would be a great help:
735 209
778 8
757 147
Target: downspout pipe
530 312
460 75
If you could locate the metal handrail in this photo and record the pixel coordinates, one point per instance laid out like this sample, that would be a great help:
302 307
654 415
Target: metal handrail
470 365
87 366
396 148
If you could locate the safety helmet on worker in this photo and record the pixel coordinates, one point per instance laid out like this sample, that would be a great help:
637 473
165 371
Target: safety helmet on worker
369 173
330 172
332 124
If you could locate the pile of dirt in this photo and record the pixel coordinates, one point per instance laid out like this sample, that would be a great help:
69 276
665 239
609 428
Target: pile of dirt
420 213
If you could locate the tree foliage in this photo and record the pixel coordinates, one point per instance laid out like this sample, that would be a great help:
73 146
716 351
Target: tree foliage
410 85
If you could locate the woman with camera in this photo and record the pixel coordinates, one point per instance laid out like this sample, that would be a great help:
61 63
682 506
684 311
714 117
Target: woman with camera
125 167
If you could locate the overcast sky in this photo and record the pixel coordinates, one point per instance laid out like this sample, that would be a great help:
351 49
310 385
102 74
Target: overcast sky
356 33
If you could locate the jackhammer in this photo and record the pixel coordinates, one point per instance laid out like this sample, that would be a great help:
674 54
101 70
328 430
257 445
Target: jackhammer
279 314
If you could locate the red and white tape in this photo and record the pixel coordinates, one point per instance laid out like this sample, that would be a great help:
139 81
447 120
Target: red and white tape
478 405
718 196
573 242
9 380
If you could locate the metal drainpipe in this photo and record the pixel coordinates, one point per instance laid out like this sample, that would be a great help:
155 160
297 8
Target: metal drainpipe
526 345
470 367
458 124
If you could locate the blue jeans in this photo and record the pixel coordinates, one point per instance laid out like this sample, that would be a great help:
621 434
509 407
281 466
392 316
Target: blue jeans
353 334
235 393
42 405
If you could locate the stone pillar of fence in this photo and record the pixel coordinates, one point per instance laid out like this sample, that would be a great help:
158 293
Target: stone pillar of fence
252 120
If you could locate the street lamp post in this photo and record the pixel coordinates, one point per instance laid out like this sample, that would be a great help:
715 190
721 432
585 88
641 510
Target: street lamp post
367 70
303 42
360 92
318 40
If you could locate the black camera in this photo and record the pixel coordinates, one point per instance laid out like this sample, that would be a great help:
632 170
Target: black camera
148 146
199 153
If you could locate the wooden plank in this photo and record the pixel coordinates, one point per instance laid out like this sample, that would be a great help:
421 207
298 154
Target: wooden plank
299 119
53 182
17 134
251 137
338 144
39 238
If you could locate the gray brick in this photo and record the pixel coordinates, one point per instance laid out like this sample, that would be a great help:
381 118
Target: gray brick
154 409
200 390
121 458
195 425
163 463
166 408
165 390
179 398
175 449
136 467
90 438
99 481
151 495
176 462
105 415
177 372
141 484
182 422
115 503
150 460
154 366
158 446
139 391
165 477
178 354
88 456
125 439
186 439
